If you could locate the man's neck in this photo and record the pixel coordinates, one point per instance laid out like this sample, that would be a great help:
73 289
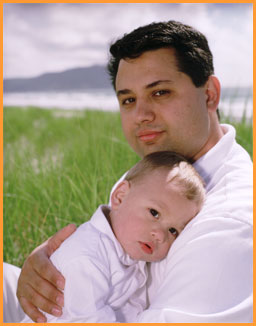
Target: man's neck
215 134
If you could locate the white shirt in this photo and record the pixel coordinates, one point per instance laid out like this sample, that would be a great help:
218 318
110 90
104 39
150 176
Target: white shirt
103 284
207 275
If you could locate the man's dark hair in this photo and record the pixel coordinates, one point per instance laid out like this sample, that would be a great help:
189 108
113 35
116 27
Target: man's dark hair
193 55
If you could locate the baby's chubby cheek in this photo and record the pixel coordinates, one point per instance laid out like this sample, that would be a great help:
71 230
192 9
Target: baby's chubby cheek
161 253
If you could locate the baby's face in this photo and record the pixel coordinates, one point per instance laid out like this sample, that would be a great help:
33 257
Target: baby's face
150 216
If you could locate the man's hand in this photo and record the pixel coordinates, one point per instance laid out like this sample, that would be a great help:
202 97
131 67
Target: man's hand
40 283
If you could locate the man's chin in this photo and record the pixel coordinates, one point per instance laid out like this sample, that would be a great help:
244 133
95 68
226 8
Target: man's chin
150 148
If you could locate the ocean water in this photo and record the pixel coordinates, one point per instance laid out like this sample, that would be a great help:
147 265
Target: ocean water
94 99
233 102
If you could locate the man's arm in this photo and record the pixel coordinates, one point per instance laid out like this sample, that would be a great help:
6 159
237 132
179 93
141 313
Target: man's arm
39 280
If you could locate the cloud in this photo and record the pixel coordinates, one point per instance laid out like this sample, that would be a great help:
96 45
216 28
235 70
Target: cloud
52 37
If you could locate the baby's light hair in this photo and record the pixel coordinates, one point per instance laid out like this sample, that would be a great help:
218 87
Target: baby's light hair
181 173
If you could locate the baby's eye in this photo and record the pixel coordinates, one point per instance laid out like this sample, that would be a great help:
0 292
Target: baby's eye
174 232
154 212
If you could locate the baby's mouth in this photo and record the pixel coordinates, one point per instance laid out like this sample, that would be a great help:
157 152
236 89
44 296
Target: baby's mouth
146 247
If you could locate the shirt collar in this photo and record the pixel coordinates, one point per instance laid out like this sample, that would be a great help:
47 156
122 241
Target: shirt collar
100 222
207 164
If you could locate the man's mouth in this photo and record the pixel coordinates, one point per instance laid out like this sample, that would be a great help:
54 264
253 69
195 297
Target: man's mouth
149 135
146 247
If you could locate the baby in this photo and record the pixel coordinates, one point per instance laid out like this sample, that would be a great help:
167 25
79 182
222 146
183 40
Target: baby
104 261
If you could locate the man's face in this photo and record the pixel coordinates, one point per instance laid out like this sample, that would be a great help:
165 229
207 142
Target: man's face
160 107
150 215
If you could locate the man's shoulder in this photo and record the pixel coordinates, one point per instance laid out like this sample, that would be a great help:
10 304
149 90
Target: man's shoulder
232 195
230 186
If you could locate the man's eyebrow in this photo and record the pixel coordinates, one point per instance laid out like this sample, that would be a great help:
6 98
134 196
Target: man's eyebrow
123 92
155 83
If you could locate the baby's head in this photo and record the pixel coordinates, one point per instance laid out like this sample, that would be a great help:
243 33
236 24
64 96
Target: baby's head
154 203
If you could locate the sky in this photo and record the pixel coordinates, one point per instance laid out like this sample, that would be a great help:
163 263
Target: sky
40 38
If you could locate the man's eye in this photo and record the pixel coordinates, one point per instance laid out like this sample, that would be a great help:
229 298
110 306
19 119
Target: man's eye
128 101
154 212
174 232
161 92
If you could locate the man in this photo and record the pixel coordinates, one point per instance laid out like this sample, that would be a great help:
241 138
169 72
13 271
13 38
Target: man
163 77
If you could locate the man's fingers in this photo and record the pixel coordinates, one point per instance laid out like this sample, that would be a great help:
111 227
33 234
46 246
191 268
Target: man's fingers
47 271
40 259
56 240
40 281
39 302
46 290
39 293
32 311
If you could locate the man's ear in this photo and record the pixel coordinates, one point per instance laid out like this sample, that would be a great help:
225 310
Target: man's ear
119 193
212 93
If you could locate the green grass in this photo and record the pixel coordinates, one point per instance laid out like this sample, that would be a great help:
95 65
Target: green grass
244 132
59 168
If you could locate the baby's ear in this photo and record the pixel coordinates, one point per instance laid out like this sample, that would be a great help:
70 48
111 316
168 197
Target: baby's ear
119 193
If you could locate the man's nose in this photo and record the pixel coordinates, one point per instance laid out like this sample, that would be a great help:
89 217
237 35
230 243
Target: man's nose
159 234
144 111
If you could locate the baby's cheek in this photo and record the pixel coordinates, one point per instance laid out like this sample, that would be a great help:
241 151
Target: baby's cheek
168 247
164 251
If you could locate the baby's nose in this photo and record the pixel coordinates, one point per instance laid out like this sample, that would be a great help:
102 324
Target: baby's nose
159 234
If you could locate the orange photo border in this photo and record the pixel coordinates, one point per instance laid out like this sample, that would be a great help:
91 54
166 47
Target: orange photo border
1 138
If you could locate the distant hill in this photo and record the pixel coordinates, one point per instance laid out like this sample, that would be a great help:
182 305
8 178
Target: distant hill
68 80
